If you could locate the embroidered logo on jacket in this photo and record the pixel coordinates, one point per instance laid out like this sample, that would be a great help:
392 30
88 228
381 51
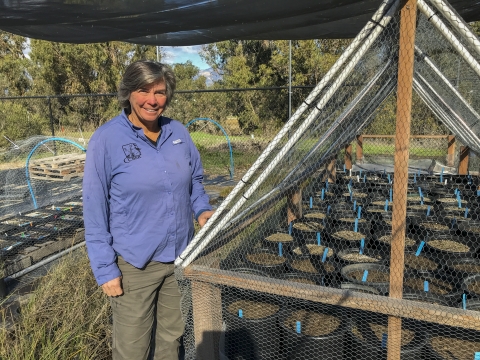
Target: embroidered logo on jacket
132 152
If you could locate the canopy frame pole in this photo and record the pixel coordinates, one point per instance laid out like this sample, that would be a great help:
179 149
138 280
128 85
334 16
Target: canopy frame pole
449 36
458 23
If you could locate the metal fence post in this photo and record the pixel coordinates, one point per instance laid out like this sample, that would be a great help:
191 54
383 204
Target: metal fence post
51 123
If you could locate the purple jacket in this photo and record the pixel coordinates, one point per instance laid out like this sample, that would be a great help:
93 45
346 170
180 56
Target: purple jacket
139 199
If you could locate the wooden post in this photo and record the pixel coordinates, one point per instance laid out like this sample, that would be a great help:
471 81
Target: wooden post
451 150
207 319
348 156
331 173
408 18
359 148
294 205
463 164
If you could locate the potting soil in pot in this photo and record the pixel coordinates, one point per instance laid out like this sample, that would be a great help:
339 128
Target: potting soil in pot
452 200
435 286
434 226
359 258
348 235
474 287
381 203
387 239
468 268
379 330
449 245
265 259
313 323
418 198
418 207
374 276
310 226
419 262
318 250
253 309
279 237
315 215
303 266
357 195
454 349
352 220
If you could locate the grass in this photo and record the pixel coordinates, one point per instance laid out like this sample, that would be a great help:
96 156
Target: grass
67 317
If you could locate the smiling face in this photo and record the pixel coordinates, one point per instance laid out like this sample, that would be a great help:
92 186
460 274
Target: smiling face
148 103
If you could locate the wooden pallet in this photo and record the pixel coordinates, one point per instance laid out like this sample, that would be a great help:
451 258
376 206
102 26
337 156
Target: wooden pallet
58 168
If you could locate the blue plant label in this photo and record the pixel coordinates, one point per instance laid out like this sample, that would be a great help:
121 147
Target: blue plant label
365 276
384 341
464 301
240 313
414 178
344 168
428 210
386 205
328 209
478 192
356 225
323 194
318 239
299 327
420 247
362 245
326 185
354 205
290 229
364 178
280 250
349 188
391 195
311 202
477 356
420 191
425 286
421 200
466 212
388 176
325 253
359 212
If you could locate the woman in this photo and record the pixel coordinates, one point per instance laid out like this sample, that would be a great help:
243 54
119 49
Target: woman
142 184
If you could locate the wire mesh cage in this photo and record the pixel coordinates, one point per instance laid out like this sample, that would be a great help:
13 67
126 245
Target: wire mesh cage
378 258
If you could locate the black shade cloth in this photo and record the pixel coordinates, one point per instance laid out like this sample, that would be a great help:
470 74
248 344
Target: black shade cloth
191 22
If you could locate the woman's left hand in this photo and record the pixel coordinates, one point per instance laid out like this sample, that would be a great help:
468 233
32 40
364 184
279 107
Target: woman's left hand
203 218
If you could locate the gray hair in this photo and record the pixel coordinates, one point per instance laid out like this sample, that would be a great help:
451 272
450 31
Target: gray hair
142 73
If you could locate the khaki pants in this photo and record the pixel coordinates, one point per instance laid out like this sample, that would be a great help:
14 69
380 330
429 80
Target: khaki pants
147 317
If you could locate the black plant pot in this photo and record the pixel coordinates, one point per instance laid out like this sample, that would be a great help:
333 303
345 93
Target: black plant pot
267 261
322 331
448 343
425 297
460 269
373 275
305 230
245 336
369 340
302 278
437 284
422 264
471 286
274 240
381 242
360 288
427 228
341 239
448 248
352 256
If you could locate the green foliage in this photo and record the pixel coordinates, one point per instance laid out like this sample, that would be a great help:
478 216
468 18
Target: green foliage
14 80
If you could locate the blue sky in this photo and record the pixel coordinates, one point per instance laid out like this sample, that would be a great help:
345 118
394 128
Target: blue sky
180 54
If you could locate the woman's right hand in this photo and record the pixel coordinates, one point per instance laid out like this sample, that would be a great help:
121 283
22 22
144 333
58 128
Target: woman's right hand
113 287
